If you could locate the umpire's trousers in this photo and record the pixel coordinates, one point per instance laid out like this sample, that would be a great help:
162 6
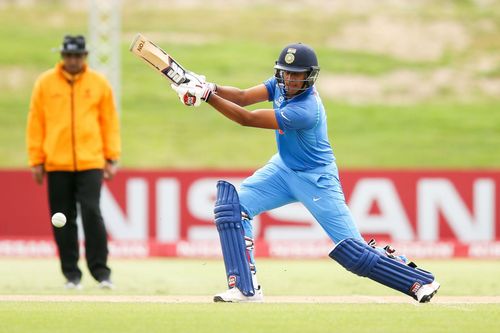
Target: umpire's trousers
65 189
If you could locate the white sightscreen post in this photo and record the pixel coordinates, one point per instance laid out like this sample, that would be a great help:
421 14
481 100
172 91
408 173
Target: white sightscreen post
104 42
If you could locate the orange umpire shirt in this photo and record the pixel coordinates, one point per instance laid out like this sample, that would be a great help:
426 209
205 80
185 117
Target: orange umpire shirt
72 123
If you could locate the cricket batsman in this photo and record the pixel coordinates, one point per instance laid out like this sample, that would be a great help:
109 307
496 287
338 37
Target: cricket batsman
303 170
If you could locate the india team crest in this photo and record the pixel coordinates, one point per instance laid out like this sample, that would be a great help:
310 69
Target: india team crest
289 58
290 55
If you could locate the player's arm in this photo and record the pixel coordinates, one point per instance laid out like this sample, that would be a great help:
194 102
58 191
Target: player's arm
262 118
243 97
193 95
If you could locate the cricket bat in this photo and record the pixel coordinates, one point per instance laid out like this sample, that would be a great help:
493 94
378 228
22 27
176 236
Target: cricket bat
159 59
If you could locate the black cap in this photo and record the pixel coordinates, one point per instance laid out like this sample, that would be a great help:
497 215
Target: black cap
73 45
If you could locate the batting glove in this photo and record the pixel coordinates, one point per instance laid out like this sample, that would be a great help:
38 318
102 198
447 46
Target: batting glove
200 79
192 95
195 78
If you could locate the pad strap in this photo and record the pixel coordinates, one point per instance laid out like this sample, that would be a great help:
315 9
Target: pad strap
363 260
232 238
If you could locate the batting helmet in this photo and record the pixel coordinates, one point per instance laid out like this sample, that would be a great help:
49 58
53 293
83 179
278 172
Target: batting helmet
300 58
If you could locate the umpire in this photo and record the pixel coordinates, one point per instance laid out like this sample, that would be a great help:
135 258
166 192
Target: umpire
73 136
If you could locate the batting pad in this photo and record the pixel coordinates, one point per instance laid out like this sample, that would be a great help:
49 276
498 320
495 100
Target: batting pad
228 221
363 260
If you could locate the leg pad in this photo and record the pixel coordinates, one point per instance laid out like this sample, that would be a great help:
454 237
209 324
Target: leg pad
363 260
232 237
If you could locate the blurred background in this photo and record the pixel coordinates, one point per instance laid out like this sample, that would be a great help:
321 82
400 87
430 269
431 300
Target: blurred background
411 89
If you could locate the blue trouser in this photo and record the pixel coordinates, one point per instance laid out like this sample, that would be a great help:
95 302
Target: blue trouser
319 190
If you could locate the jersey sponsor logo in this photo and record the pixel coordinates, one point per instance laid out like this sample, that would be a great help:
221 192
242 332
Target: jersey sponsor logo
279 101
316 199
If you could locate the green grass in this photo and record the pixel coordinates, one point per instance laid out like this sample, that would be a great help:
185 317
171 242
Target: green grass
433 135
205 277
110 317
241 45
279 277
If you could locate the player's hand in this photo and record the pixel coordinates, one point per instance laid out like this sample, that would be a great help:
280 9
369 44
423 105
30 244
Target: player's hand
200 79
110 169
192 94
38 172
195 78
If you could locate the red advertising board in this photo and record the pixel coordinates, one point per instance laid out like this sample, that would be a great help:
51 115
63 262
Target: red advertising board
169 213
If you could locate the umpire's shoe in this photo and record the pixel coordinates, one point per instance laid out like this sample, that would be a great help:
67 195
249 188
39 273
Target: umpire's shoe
73 285
106 284
234 295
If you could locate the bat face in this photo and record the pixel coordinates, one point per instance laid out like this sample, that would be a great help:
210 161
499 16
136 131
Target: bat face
158 59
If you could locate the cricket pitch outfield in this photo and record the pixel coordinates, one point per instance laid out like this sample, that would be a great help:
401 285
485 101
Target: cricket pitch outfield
175 295
201 299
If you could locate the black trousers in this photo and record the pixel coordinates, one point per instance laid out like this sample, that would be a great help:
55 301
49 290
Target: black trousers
65 189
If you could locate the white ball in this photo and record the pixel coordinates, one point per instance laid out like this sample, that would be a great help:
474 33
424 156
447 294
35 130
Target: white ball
58 220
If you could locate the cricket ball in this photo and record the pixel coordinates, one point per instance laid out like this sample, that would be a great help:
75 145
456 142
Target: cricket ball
58 220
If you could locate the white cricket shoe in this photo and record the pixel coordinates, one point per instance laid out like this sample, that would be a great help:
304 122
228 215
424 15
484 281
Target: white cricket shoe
425 293
234 295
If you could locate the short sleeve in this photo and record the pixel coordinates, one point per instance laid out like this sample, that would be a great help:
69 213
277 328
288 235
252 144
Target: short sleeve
295 117
270 86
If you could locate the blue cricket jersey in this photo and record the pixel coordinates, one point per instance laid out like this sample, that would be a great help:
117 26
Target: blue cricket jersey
303 137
